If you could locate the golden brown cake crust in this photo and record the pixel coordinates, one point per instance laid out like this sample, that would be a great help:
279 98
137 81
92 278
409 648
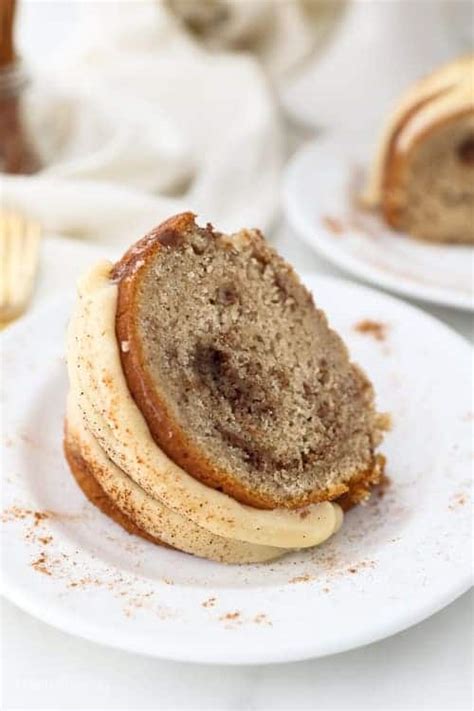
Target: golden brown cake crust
360 486
154 410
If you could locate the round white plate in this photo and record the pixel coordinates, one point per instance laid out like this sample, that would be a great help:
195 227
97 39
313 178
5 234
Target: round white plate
320 198
397 560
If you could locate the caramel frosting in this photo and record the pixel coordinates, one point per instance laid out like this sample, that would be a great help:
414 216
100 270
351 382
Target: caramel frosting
117 434
149 516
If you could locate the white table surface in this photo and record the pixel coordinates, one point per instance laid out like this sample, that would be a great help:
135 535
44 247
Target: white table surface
426 667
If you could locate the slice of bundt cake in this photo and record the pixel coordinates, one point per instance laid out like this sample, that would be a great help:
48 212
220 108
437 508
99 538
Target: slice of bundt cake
422 178
240 379
107 430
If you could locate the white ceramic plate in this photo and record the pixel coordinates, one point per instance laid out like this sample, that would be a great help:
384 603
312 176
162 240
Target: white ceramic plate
320 189
396 561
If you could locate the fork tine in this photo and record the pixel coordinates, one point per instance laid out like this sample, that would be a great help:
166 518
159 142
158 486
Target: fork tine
29 261
15 250
19 252
4 261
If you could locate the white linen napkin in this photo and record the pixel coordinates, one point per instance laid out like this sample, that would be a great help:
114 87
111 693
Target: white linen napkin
137 121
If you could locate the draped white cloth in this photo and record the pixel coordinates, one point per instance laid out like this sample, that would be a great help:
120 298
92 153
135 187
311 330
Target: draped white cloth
138 121
156 108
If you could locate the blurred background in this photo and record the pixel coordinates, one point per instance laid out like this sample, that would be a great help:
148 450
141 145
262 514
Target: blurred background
135 110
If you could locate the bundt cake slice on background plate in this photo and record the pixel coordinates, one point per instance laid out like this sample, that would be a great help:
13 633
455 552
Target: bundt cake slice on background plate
422 178
212 402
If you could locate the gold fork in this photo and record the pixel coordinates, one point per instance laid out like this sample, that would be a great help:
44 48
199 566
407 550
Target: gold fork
19 252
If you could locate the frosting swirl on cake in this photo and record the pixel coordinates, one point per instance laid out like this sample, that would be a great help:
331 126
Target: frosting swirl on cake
103 409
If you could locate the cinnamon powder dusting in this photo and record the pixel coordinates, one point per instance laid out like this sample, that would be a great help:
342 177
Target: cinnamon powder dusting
64 568
333 225
41 565
376 329
16 513
457 501
306 578
262 619
210 602
361 565
234 619
230 616
45 540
